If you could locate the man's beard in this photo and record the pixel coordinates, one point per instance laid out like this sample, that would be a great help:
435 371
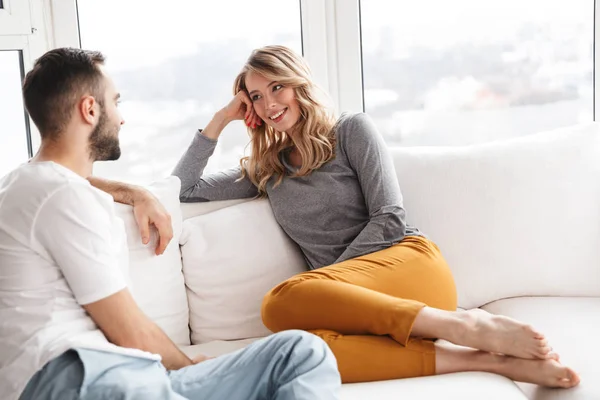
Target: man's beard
103 142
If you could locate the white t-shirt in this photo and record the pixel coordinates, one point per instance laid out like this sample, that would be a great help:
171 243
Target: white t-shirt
61 246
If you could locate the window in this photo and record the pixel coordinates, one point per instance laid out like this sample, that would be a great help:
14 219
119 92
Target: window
469 71
1 4
175 68
13 121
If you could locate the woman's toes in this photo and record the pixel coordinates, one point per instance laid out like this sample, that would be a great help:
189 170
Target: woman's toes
569 378
538 335
544 352
573 377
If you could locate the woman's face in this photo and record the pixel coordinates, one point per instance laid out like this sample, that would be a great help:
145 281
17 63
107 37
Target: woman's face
274 103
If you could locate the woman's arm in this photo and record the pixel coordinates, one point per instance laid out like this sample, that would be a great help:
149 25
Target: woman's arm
372 162
224 185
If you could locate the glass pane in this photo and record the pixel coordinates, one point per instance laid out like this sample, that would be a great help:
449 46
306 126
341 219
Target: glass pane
13 131
470 71
175 68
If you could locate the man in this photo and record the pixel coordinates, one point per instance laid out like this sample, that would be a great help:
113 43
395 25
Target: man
69 328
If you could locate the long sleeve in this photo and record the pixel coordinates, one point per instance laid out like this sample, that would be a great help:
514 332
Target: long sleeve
372 162
196 187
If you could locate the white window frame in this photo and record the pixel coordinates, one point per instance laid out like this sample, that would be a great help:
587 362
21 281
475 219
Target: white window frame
32 42
596 59
331 41
14 18
331 44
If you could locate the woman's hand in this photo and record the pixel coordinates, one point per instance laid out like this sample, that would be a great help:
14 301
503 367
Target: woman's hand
240 107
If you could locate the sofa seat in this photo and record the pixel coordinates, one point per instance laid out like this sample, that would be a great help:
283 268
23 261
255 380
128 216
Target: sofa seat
461 386
572 326
567 322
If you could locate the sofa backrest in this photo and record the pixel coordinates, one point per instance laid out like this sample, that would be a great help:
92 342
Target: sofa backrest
513 218
156 282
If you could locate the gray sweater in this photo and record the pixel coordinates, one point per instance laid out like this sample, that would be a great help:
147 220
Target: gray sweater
349 207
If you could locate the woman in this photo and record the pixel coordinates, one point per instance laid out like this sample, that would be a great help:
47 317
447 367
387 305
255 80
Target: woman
379 292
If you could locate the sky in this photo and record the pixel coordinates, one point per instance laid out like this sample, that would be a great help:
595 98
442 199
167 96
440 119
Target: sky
200 23
431 23
438 23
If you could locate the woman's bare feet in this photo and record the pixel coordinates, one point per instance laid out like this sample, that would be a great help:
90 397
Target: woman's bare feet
481 330
500 334
549 372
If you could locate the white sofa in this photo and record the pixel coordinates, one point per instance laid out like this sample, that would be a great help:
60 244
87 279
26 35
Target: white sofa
518 221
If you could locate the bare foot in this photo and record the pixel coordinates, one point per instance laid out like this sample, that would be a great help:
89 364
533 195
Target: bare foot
500 334
549 372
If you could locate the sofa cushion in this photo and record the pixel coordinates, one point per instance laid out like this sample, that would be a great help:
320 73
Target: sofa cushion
190 210
513 218
458 386
462 386
157 281
231 258
570 325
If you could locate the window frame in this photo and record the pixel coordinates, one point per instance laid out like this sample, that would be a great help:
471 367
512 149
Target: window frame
14 17
37 39
26 118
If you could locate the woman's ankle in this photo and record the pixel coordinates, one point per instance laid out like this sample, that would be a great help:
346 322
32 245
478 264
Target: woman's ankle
433 323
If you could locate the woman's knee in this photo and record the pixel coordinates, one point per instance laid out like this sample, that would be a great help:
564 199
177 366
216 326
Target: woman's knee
447 295
275 304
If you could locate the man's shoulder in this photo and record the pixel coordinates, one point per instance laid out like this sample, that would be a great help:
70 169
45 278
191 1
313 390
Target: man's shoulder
32 187
38 178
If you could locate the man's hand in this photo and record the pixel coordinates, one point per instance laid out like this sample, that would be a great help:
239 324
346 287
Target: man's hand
146 208
149 211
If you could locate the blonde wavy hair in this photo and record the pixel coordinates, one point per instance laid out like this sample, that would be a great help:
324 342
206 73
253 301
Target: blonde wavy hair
314 135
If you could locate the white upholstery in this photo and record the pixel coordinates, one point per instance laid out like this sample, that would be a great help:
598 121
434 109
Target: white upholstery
190 210
157 282
231 258
513 218
461 386
572 326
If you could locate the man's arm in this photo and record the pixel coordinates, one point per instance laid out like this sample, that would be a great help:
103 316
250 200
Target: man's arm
74 229
146 208
124 324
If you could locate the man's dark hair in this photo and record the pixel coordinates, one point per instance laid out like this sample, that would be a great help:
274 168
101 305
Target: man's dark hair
58 79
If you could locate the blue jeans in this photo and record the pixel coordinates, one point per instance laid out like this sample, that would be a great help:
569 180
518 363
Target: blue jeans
287 365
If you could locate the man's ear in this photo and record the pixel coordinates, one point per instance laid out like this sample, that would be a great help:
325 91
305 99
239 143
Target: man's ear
87 109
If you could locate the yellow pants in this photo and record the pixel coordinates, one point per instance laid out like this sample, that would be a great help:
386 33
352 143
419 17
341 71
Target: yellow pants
364 308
